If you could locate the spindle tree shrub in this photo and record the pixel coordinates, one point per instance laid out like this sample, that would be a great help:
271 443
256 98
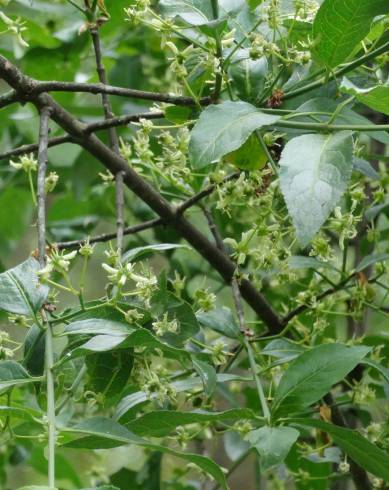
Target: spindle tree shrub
194 244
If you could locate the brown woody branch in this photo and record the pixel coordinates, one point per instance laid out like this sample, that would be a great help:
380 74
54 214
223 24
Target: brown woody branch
131 230
38 87
89 128
115 163
105 237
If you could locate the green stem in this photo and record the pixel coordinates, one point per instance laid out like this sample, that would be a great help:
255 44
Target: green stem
253 367
267 152
32 188
344 259
219 53
331 127
49 361
339 109
345 69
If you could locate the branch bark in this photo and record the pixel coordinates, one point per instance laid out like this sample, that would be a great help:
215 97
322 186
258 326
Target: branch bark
89 128
100 88
115 163
130 230
112 135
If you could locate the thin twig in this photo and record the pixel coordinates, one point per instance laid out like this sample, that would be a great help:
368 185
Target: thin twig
41 194
113 138
99 88
88 128
105 237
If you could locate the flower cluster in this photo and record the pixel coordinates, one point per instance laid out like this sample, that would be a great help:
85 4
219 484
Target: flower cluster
305 9
5 351
261 47
28 163
14 27
173 159
57 261
165 325
119 274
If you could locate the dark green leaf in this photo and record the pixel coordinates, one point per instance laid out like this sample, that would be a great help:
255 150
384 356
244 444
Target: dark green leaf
312 374
371 260
248 75
221 320
365 168
20 291
162 422
341 24
359 449
12 373
208 375
224 128
109 371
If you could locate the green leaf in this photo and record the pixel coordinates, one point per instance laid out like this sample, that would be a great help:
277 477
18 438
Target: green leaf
34 350
302 262
359 449
283 349
365 168
224 128
372 213
312 375
137 252
140 337
12 373
376 98
371 260
315 172
109 371
248 75
161 423
194 12
207 374
378 367
20 291
273 444
341 24
186 385
221 320
97 326
178 114
108 433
